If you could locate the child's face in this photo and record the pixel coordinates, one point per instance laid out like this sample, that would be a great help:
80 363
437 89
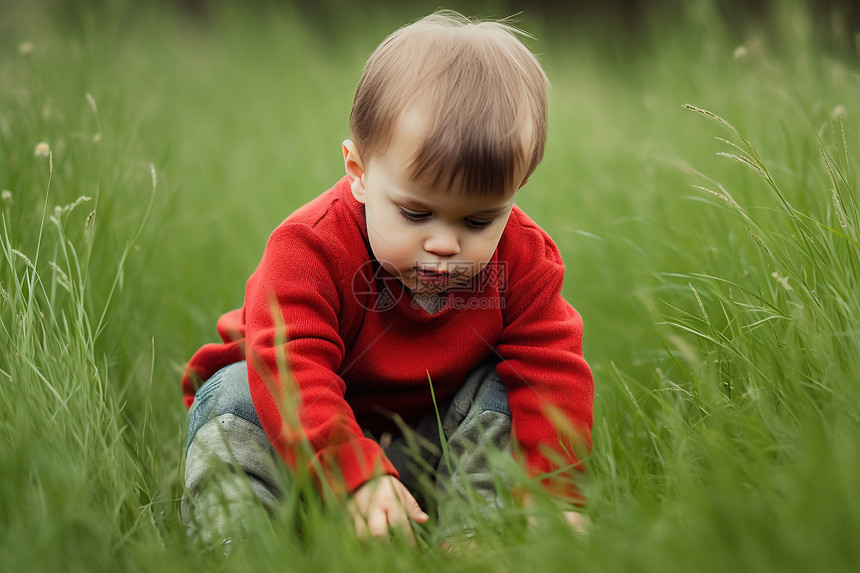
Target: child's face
431 239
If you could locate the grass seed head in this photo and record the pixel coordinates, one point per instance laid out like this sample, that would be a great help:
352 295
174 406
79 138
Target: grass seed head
89 227
754 236
92 102
26 48
699 300
6 196
24 258
782 280
840 212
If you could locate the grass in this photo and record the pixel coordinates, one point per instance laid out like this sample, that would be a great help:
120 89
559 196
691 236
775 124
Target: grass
712 250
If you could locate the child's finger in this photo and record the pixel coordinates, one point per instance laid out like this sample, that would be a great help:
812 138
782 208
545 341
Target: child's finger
410 505
415 512
377 524
360 525
399 520
418 514
577 521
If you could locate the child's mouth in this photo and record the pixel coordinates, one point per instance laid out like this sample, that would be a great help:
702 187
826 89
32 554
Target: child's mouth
431 277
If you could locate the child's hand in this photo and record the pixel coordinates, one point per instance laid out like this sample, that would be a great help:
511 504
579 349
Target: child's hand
383 504
577 521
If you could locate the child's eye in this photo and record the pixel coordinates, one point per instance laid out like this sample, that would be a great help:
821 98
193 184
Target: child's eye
479 224
413 216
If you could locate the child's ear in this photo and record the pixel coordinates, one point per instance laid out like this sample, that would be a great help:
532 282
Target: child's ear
354 170
523 184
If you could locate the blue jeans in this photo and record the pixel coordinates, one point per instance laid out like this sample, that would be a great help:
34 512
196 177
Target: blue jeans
223 429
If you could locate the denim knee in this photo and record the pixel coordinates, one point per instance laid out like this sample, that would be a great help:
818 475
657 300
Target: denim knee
482 391
226 392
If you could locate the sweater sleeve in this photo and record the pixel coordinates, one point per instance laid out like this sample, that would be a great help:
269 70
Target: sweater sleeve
294 350
550 386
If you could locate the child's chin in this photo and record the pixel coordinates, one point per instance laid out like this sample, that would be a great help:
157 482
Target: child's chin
428 289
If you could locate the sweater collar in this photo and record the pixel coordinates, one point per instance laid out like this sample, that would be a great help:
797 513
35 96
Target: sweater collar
344 191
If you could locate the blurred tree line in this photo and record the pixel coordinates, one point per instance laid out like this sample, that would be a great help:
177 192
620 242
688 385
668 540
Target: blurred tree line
836 22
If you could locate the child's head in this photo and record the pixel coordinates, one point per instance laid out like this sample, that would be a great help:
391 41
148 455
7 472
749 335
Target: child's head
448 122
477 92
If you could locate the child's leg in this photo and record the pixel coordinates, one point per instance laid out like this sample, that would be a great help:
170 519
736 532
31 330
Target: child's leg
475 421
224 435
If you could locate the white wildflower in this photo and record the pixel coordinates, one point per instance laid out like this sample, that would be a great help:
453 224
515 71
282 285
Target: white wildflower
839 112
7 196
26 48
42 149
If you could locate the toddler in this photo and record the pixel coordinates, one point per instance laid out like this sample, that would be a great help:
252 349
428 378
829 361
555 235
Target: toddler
413 287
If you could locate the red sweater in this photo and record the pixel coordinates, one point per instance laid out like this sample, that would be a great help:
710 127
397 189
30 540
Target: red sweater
358 349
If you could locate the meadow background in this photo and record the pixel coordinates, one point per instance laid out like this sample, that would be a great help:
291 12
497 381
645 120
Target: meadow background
716 269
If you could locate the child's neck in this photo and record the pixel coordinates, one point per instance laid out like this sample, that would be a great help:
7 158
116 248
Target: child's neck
432 303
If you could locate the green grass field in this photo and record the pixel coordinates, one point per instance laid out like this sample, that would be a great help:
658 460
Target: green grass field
715 262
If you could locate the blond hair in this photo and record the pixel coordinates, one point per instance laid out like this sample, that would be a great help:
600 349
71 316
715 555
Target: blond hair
479 93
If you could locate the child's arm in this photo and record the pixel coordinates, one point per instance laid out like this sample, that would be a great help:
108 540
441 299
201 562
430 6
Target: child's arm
295 316
550 386
550 392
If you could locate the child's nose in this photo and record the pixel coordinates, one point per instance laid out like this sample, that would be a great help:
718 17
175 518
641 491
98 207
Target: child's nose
443 242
